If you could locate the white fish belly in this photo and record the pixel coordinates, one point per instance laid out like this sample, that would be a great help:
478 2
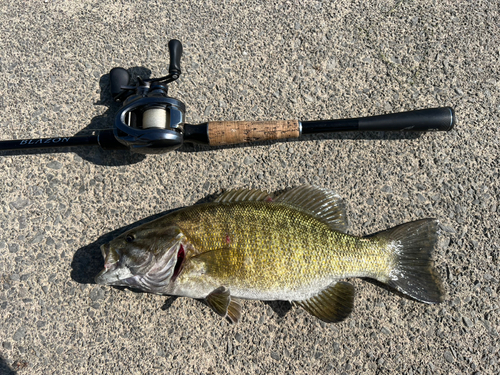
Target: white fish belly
296 294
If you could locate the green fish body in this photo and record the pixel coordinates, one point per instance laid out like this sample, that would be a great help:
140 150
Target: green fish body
248 244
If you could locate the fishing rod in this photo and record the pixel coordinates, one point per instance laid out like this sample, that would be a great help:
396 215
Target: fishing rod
151 122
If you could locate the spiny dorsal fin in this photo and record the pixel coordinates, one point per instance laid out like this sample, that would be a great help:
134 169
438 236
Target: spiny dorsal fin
241 195
332 304
326 205
220 301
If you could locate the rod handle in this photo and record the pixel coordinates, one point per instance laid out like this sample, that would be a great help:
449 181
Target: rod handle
439 119
222 133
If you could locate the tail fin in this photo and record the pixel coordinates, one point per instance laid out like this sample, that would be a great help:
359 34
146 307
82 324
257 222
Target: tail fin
413 271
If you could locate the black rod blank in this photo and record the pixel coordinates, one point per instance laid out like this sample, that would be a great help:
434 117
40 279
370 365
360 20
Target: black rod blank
55 142
105 138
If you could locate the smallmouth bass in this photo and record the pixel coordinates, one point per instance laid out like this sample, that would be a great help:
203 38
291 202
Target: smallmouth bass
248 244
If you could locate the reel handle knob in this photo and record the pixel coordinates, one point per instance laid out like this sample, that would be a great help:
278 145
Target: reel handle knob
175 48
119 78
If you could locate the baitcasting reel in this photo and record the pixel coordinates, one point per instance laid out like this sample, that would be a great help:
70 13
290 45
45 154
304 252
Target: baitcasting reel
151 122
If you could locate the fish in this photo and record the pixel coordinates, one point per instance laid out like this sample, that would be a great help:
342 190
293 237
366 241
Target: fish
293 246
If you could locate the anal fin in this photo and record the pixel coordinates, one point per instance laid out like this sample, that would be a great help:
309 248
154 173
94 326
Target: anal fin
220 301
333 304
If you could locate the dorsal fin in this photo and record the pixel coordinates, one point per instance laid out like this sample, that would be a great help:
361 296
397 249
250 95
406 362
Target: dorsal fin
326 205
241 195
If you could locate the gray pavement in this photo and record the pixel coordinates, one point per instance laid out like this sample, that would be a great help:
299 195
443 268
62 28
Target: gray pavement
248 60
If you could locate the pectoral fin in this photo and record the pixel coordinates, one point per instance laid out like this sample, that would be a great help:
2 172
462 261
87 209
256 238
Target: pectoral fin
332 304
220 301
234 311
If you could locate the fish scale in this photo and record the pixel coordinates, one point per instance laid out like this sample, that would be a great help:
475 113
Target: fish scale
275 248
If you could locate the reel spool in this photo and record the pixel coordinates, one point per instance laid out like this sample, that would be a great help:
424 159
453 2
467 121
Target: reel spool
155 118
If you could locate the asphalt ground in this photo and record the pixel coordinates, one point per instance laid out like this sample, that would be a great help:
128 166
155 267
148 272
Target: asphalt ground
248 60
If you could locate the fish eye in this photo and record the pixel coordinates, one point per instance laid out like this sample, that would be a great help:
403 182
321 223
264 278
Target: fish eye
130 238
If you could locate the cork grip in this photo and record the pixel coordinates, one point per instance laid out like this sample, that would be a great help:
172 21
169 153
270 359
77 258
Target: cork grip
231 132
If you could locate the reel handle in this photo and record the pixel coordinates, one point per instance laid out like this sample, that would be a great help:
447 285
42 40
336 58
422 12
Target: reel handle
175 48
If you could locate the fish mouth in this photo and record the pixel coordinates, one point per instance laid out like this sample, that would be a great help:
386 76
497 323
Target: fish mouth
161 272
112 274
105 250
99 279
